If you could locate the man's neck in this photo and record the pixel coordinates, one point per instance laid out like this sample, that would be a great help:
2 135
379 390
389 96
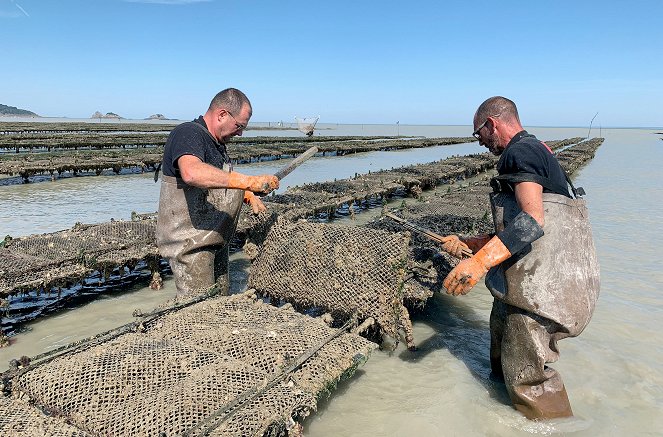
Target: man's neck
510 131
209 123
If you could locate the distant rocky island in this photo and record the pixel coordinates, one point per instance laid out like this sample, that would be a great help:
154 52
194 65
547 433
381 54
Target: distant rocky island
157 117
13 110
107 115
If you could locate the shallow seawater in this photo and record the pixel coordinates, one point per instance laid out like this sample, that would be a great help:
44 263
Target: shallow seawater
613 371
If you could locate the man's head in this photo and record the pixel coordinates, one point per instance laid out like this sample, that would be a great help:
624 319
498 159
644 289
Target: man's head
495 123
228 114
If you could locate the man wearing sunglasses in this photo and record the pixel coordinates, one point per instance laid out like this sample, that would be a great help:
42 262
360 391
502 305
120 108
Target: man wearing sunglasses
201 196
540 266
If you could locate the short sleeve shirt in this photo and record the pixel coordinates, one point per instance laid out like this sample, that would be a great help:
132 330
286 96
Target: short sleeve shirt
525 154
192 138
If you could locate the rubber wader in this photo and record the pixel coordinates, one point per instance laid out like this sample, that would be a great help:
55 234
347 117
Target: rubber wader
543 293
194 228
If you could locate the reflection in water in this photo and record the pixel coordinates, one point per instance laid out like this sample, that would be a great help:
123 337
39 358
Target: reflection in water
613 371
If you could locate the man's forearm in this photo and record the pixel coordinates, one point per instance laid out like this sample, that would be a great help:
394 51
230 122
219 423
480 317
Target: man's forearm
202 175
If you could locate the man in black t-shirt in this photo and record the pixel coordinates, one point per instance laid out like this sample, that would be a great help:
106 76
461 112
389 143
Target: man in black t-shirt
545 288
201 195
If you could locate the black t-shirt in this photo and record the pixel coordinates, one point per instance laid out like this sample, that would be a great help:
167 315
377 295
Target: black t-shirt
192 138
525 155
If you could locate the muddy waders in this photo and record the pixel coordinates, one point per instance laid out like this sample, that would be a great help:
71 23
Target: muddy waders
194 228
543 293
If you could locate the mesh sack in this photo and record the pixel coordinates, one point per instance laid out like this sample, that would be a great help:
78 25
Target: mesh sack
49 259
465 211
194 364
19 419
263 336
24 272
306 125
343 270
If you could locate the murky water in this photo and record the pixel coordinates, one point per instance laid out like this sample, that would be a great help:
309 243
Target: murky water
613 371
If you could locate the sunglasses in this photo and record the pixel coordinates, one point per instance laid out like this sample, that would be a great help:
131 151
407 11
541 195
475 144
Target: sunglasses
475 134
238 126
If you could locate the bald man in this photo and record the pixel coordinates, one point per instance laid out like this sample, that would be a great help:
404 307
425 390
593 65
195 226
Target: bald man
540 266
201 195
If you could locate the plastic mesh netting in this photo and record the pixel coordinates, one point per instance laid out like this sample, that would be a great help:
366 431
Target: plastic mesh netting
39 261
463 211
195 364
341 269
19 419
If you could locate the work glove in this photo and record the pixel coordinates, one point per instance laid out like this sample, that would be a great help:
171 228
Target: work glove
254 201
477 242
262 184
468 272
454 246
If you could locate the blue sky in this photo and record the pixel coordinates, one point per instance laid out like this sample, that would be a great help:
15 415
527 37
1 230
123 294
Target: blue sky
417 62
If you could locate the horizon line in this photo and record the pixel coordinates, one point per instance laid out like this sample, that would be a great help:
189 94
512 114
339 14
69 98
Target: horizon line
119 120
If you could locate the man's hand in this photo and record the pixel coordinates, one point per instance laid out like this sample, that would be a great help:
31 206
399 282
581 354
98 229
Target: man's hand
199 174
263 184
464 276
255 202
468 272
454 246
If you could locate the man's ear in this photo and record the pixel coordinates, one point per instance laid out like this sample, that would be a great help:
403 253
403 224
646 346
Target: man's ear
491 124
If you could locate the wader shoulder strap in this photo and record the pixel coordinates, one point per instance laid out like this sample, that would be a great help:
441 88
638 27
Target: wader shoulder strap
202 128
156 173
504 183
577 192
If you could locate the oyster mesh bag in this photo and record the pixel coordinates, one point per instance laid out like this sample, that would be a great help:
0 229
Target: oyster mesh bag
345 270
190 367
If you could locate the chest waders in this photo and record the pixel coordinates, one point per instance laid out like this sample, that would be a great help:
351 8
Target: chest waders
194 228
543 293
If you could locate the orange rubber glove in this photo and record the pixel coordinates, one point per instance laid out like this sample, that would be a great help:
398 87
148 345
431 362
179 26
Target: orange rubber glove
254 201
262 184
468 272
477 242
454 246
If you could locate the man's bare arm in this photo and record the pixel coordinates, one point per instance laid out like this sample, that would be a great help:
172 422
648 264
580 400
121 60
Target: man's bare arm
529 196
199 174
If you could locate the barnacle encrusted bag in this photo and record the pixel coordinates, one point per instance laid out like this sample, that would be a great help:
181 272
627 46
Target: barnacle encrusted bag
345 270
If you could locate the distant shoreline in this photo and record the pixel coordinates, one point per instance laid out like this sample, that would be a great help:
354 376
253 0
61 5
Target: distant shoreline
273 125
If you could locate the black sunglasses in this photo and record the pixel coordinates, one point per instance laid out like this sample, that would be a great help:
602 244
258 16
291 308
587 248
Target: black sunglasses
475 134
238 126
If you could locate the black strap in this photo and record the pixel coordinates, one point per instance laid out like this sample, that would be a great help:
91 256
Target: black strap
156 173
221 146
204 129
506 182
577 192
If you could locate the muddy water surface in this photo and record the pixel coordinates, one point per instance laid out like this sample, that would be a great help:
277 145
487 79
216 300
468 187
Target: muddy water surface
613 371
